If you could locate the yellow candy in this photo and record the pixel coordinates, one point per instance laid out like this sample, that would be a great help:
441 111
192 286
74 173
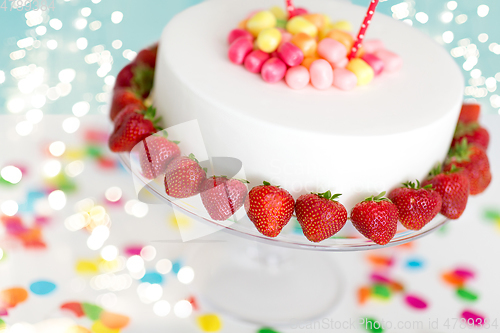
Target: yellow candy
362 70
269 40
317 19
299 24
306 43
260 21
342 25
324 31
327 19
279 13
309 60
209 323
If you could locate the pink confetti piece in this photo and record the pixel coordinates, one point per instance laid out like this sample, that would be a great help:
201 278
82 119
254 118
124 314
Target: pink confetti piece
464 273
476 318
375 277
134 250
3 312
415 302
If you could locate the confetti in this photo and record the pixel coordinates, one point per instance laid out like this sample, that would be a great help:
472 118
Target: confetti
464 273
92 311
2 324
466 295
98 327
380 260
152 277
73 307
372 325
42 287
363 295
414 263
209 323
194 303
379 278
396 286
267 330
77 329
3 312
415 302
134 250
13 296
476 318
176 266
86 267
453 279
381 291
114 320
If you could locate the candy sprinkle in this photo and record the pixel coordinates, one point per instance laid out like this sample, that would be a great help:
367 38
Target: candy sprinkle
414 263
364 294
13 296
86 267
381 291
467 295
114 320
476 318
92 311
415 302
42 287
464 273
98 327
153 278
209 323
372 325
267 330
74 307
453 279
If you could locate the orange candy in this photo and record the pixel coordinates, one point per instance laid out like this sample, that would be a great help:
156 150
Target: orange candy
113 320
306 43
243 24
309 60
317 19
13 296
343 37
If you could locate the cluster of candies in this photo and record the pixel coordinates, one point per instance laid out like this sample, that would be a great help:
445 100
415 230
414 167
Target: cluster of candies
307 48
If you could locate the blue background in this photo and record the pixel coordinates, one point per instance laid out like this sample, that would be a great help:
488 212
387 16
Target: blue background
143 22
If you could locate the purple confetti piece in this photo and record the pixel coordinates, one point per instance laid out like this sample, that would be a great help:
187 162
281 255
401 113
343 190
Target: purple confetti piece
375 277
476 318
415 302
464 273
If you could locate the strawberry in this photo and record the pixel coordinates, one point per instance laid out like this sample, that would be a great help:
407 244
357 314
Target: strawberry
269 208
416 205
147 57
121 98
183 177
124 77
320 215
473 132
474 161
469 113
155 152
376 218
222 197
137 76
132 126
453 186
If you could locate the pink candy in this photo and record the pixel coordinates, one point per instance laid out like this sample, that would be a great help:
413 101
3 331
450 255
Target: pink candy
273 70
392 62
297 77
255 60
237 33
298 11
373 45
290 54
321 74
332 50
239 49
341 63
344 79
285 36
375 63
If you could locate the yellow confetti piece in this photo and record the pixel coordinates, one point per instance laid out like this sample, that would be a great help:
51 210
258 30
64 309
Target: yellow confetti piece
86 267
99 327
77 329
74 154
209 323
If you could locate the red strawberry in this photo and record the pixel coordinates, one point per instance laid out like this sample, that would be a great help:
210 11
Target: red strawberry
121 98
222 197
474 160
132 126
453 186
183 177
469 112
155 152
416 205
473 132
124 77
376 218
147 57
137 76
269 208
320 215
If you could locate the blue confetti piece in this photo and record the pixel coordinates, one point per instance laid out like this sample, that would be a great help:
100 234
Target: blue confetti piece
176 266
31 197
414 263
153 278
42 287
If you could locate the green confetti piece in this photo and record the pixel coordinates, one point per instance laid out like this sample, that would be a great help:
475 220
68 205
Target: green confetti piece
2 323
467 294
267 330
3 182
94 151
381 291
92 311
491 214
372 325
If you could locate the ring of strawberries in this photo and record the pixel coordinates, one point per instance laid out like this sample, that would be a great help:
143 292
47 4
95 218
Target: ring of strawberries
466 171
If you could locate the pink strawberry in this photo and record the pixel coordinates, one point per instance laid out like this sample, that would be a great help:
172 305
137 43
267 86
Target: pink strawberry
473 132
132 126
376 218
469 113
453 186
183 177
416 205
222 197
155 152
474 161
269 208
320 215
123 97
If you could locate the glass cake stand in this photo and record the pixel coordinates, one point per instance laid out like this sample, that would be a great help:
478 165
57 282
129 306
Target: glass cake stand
258 279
